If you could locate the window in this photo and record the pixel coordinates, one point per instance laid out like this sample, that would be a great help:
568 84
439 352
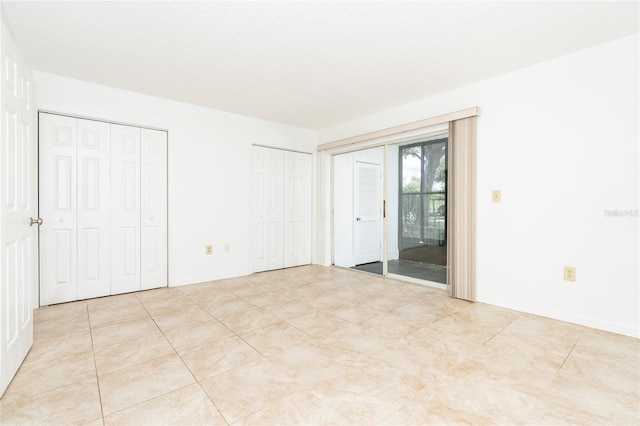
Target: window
423 194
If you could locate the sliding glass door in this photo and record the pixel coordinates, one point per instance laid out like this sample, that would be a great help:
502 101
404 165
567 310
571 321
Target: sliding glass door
422 207
428 229
411 235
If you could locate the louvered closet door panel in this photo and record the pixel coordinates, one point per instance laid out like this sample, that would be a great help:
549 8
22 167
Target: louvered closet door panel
153 255
297 209
93 209
125 209
58 208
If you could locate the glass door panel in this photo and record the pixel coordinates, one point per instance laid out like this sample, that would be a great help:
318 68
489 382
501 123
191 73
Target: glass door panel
422 205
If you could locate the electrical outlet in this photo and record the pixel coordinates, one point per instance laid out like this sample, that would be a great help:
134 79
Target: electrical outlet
209 250
569 273
227 247
496 196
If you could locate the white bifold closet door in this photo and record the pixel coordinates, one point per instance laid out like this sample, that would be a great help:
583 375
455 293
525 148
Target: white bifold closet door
97 180
281 209
268 206
58 207
93 209
153 209
297 209
74 185
125 208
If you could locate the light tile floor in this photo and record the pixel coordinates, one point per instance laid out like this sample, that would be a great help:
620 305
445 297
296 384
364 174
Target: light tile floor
314 345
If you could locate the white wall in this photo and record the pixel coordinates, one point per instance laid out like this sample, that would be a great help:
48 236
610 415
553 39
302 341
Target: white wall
209 168
560 140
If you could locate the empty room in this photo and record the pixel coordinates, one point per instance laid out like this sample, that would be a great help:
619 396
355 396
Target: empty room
319 212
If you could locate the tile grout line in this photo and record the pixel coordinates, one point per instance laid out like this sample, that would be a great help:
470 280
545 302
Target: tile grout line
570 352
188 368
182 360
95 364
236 334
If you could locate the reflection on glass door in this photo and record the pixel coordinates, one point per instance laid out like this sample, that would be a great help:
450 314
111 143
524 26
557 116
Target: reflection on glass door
422 219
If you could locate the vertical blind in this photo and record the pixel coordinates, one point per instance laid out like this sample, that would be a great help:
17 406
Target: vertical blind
461 209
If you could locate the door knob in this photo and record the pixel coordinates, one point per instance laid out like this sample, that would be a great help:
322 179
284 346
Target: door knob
33 221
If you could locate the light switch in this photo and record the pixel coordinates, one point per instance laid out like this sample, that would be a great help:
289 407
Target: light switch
496 196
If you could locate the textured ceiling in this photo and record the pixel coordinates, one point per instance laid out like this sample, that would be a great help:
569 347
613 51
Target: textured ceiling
308 64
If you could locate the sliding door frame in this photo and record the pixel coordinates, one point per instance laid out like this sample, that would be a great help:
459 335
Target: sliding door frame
396 135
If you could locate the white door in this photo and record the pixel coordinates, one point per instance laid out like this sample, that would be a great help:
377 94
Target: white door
268 209
93 153
297 209
125 209
58 208
18 240
343 210
94 187
74 188
153 238
367 203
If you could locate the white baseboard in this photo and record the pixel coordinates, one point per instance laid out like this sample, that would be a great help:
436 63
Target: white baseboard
624 329
214 277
